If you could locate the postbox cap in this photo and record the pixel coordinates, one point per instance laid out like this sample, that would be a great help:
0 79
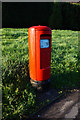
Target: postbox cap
40 28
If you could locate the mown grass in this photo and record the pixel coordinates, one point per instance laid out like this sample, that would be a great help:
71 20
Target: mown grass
65 65
18 94
75 3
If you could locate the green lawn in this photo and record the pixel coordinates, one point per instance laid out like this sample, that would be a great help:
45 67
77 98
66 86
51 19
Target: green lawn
18 94
64 60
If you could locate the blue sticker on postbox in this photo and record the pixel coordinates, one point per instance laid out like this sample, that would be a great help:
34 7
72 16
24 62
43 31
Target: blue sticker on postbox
44 43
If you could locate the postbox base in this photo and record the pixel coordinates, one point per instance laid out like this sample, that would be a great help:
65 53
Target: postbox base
39 84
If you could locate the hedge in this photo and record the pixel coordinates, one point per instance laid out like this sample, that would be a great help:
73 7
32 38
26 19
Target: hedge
53 14
65 16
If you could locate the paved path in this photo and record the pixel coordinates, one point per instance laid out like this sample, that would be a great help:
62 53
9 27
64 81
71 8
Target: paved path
66 107
73 112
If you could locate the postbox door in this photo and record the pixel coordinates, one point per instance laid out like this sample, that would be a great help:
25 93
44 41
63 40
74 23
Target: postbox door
43 54
45 51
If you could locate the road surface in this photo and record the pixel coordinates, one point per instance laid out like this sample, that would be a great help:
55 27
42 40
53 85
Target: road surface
67 106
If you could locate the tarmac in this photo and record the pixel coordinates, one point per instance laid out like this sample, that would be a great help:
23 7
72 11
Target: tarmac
65 105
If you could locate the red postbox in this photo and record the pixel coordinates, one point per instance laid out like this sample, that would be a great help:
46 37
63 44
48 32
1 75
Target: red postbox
39 38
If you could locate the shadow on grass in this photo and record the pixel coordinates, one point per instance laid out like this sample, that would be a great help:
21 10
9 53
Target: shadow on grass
66 80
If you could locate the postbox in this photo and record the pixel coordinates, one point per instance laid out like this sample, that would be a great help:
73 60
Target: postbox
39 38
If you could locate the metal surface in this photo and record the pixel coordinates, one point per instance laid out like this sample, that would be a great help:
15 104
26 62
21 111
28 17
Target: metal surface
39 58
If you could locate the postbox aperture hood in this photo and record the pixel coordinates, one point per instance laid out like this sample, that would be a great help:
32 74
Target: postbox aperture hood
40 28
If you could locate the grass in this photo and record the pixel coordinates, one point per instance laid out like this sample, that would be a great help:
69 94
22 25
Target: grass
18 94
64 59
75 3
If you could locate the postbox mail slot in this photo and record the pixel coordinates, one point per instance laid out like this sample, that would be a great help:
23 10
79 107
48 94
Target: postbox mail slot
45 35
